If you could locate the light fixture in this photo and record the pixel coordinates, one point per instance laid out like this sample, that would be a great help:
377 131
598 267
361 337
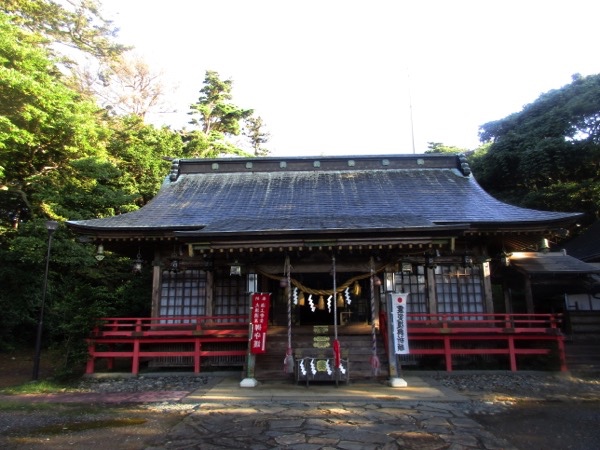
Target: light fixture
137 263
175 261
321 304
235 269
390 281
407 267
100 252
174 266
252 283
430 261
544 246
356 289
467 261
505 258
51 226
301 299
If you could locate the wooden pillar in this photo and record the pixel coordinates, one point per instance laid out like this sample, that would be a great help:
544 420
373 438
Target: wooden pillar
528 295
507 298
156 283
210 283
487 288
431 293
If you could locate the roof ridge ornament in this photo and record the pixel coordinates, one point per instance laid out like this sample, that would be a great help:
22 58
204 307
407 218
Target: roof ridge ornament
463 164
174 174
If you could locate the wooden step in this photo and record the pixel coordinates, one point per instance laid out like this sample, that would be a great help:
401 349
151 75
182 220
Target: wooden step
356 340
583 356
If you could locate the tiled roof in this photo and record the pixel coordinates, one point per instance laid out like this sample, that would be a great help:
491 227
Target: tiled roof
550 263
367 193
586 246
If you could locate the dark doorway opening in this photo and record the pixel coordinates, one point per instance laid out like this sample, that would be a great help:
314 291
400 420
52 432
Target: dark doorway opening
357 311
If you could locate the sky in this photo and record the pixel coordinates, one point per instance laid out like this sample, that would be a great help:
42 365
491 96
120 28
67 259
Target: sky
359 77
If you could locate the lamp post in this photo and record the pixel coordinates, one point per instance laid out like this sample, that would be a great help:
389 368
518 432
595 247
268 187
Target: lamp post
51 226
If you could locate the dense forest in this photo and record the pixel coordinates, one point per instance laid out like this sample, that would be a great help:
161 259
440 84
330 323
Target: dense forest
75 144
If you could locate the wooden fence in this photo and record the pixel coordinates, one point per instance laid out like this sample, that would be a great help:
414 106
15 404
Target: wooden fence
513 335
137 339
206 337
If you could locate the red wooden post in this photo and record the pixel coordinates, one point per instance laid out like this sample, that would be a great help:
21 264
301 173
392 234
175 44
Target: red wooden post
111 361
511 353
561 353
135 360
89 368
448 353
197 347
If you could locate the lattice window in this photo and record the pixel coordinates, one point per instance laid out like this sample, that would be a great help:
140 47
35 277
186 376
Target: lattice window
459 289
183 293
415 283
230 294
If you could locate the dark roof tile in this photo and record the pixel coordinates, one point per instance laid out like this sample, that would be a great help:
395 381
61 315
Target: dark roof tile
389 197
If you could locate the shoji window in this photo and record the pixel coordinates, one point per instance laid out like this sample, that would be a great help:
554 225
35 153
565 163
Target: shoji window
415 283
230 294
459 290
183 293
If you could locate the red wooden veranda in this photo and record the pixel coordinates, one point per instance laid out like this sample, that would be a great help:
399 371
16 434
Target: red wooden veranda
448 335
513 335
152 337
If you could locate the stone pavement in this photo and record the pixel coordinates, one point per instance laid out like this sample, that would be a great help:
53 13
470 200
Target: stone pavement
361 415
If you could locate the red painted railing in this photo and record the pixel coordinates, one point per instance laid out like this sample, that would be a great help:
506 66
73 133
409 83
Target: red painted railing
448 335
482 334
139 338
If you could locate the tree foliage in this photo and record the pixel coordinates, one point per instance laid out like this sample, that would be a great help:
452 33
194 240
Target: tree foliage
65 157
216 119
43 123
547 156
438 147
213 111
254 130
142 153
70 25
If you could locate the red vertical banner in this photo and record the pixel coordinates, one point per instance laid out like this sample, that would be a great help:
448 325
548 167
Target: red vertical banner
260 322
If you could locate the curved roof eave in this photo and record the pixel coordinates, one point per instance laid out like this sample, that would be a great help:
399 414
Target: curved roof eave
253 196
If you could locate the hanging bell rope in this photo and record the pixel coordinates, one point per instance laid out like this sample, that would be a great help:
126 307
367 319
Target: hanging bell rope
289 359
336 342
375 364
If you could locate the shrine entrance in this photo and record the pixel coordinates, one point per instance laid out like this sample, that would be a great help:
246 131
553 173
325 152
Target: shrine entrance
315 306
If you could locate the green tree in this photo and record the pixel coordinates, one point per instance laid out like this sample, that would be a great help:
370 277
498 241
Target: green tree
66 26
547 156
254 130
62 157
216 118
43 123
438 147
142 153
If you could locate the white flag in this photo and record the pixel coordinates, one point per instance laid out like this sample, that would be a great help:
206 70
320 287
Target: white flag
399 326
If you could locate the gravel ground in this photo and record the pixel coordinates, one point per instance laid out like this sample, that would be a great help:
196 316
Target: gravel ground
534 411
524 386
487 388
553 408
